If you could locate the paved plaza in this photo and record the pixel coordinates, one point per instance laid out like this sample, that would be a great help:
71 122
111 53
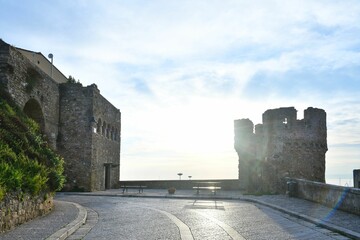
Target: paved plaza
185 215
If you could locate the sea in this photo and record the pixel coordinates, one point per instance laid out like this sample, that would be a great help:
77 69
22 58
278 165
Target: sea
345 182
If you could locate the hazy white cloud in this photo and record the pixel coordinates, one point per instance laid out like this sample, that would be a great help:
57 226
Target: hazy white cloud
182 71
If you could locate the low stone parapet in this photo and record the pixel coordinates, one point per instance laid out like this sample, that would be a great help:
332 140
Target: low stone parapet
337 197
16 209
225 184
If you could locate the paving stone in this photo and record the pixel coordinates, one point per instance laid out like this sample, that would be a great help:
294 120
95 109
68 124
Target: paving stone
113 216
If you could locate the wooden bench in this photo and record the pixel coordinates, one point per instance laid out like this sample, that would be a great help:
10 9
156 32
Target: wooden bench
139 187
211 186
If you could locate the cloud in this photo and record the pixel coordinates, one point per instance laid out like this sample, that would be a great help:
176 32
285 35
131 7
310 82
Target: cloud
182 71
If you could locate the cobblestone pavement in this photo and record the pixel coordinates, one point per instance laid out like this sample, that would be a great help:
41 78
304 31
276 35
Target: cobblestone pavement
161 218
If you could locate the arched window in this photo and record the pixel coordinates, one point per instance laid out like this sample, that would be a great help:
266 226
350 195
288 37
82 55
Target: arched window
112 133
108 129
103 131
98 126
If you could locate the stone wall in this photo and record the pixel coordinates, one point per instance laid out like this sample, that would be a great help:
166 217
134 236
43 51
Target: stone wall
78 122
31 89
281 146
14 212
226 184
336 197
74 141
89 139
106 139
244 144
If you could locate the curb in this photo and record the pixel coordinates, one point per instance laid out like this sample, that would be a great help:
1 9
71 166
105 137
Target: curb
66 231
318 222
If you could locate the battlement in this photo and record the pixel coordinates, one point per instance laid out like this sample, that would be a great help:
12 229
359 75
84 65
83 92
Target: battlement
284 144
243 126
282 119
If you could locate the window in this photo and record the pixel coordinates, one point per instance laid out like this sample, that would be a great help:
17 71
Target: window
103 129
112 133
98 126
108 130
116 134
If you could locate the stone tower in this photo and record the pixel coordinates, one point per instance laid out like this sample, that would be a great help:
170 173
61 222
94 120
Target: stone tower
79 123
89 137
245 147
283 146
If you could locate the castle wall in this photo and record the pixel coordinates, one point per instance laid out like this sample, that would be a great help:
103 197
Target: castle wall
88 149
25 82
295 148
78 122
74 142
244 143
106 142
285 146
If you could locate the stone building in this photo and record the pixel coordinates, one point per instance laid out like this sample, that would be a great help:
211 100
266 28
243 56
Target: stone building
282 146
79 123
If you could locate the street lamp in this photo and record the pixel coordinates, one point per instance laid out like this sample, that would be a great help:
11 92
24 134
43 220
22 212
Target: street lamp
180 174
51 56
190 177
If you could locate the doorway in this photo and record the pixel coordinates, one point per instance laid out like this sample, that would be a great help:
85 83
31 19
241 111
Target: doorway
107 175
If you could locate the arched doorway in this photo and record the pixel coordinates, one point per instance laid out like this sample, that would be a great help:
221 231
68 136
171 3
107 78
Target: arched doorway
33 110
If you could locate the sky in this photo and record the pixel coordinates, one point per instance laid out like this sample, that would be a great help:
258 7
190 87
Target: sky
182 71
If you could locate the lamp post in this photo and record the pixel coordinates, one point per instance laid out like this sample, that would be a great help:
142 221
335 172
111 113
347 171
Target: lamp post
190 177
51 56
180 174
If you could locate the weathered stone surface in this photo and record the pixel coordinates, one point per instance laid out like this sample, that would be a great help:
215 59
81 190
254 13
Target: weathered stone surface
78 121
90 137
336 197
15 211
32 90
281 146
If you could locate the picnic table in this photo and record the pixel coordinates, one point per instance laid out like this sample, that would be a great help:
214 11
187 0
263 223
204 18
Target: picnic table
211 186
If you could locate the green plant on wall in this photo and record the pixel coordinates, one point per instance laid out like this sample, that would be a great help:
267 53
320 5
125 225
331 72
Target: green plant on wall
27 163
72 80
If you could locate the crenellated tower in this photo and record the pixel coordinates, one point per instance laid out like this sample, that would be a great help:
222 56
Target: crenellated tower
283 146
